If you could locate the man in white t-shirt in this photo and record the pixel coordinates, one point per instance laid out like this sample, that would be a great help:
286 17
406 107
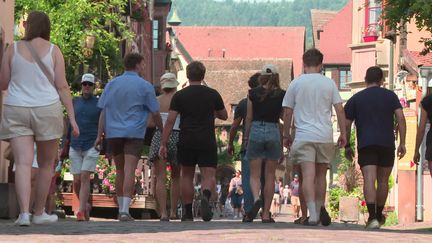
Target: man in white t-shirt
310 98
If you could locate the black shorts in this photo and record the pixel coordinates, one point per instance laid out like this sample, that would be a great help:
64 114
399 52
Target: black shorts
200 157
376 155
428 155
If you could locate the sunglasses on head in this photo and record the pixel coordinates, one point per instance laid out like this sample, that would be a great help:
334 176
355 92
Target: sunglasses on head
87 84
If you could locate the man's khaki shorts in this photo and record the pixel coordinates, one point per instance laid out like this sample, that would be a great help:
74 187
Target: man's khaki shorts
312 152
44 122
295 201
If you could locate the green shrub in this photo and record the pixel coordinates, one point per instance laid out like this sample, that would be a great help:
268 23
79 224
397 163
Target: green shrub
392 219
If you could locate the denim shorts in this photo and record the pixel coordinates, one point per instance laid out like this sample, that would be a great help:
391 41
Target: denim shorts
264 141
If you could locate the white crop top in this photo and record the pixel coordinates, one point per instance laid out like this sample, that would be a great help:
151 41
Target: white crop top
164 116
29 86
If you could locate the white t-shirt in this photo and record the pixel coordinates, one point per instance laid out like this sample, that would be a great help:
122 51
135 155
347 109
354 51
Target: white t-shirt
311 96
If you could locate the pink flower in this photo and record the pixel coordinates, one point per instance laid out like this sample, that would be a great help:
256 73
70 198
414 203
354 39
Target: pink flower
168 167
111 188
363 203
106 182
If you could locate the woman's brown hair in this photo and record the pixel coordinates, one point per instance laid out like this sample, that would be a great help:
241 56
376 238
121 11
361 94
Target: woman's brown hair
271 84
37 25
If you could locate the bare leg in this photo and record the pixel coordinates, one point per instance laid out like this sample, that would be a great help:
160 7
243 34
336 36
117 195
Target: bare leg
186 184
383 175
119 161
269 189
130 165
46 157
84 192
255 175
175 189
161 194
369 176
22 148
320 185
34 173
308 186
208 181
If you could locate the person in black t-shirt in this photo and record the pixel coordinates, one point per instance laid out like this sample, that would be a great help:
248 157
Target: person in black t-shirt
198 106
239 118
373 110
263 136
425 115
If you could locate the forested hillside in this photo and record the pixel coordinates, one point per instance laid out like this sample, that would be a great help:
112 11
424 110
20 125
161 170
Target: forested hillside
252 13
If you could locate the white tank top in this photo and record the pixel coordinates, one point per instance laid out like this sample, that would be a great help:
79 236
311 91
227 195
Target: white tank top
164 116
29 87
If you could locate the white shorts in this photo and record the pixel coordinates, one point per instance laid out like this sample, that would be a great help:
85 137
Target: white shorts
83 160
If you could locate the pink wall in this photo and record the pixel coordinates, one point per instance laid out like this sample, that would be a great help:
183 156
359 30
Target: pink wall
362 59
336 37
414 36
7 18
406 196
427 200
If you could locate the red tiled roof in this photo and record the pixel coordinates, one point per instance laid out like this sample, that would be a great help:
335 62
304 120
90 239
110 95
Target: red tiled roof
229 78
421 60
336 37
244 42
319 19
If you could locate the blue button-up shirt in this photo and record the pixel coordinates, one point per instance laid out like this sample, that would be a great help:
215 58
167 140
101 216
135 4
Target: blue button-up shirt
127 101
87 117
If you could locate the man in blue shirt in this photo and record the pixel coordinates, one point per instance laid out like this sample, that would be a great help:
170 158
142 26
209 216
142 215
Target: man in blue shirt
82 154
127 102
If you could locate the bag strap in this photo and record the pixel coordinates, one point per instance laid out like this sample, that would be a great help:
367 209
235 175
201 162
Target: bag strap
39 62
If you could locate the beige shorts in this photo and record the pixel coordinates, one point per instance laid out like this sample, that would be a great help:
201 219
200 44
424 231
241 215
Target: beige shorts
83 160
44 122
312 152
295 201
276 197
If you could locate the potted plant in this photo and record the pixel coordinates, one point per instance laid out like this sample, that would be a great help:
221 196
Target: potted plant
371 33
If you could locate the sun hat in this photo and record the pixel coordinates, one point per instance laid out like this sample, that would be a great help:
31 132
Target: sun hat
269 69
169 80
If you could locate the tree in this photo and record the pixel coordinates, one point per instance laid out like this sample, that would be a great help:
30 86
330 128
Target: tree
73 21
402 11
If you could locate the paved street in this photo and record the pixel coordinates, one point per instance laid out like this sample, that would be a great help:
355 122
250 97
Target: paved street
220 230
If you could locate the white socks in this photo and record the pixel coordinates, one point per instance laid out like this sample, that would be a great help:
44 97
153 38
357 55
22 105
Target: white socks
123 204
313 216
120 204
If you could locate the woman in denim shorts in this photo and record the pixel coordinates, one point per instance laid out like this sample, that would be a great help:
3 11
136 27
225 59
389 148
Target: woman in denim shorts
263 135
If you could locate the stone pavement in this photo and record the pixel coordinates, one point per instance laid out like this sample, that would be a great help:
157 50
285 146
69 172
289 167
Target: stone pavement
219 230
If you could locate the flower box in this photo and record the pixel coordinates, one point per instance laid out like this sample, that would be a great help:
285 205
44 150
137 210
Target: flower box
370 38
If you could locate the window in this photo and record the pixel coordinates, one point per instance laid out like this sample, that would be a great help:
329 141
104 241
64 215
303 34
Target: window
156 44
372 18
344 79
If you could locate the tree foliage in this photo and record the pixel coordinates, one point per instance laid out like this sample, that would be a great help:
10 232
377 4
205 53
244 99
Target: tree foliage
72 21
252 13
419 11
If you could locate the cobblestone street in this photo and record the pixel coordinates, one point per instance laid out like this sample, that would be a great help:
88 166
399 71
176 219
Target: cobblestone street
219 230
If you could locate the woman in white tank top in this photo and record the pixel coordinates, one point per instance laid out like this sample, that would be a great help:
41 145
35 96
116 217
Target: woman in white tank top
32 112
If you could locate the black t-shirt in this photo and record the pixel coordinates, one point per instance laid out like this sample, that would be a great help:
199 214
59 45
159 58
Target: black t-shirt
372 110
269 109
196 105
427 105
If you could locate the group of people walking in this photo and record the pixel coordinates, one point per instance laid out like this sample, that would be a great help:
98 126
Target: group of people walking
33 72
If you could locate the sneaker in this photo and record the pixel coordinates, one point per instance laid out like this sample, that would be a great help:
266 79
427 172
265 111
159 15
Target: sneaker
372 224
206 211
124 217
23 219
45 218
324 217
187 218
